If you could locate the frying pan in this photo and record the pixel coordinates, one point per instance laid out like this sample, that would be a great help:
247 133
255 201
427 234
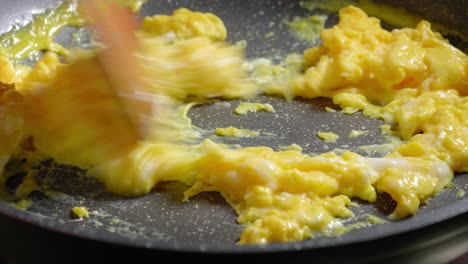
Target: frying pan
205 228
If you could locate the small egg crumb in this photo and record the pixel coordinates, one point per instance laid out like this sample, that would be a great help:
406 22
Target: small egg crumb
376 220
385 129
23 204
80 212
245 107
307 28
241 44
236 132
450 185
328 137
356 133
294 147
269 34
349 110
330 110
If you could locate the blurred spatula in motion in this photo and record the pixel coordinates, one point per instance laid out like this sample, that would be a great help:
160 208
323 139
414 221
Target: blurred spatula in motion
95 109
115 24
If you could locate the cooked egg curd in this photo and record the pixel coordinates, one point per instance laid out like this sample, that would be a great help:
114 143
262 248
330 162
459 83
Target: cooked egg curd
412 78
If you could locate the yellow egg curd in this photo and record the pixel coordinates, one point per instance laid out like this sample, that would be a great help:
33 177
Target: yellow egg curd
412 78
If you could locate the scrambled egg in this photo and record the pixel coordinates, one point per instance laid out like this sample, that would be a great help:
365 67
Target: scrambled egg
236 132
356 133
11 123
80 212
413 79
246 107
186 24
329 137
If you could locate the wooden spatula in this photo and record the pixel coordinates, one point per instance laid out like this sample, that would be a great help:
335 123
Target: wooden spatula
115 24
96 109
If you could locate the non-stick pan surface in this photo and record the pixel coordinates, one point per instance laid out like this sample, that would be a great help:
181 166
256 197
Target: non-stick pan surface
158 221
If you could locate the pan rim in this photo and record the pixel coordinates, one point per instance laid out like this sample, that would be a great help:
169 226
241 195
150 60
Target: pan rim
386 231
